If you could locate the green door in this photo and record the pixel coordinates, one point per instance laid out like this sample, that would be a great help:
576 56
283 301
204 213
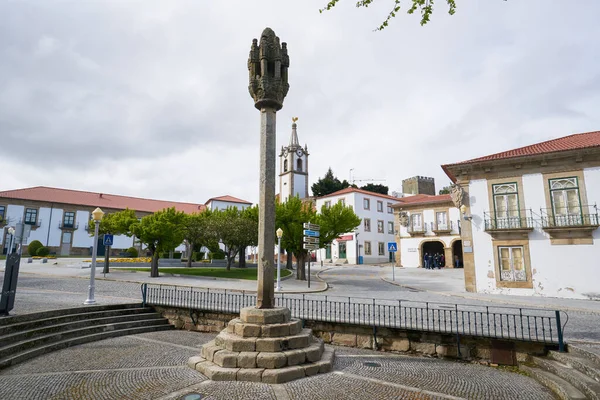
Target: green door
342 246
328 252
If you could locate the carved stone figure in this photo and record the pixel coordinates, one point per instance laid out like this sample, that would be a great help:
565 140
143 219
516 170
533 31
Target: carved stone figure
403 218
458 195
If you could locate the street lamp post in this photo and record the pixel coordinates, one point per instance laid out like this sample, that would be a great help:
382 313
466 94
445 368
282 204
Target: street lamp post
97 215
356 233
11 232
279 235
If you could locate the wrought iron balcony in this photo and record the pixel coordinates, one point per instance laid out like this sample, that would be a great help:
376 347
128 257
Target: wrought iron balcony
510 223
417 230
445 229
570 217
66 225
34 224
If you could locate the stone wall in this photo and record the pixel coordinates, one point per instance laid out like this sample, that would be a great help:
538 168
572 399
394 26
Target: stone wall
382 339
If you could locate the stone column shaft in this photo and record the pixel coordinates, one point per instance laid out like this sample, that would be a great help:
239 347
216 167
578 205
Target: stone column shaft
266 217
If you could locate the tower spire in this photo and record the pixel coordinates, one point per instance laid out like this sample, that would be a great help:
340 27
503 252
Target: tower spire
294 138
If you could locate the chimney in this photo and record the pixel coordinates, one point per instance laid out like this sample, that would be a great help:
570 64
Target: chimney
100 195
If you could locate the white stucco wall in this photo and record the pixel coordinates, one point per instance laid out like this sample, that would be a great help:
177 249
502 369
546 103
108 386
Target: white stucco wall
300 186
81 237
53 228
482 241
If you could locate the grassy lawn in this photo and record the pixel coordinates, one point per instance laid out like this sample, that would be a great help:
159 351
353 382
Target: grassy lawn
234 273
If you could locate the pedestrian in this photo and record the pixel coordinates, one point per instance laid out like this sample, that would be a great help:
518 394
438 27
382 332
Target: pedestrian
426 261
442 261
456 261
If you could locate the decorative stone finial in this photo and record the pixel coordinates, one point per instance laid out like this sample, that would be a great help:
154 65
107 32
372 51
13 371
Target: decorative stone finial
268 65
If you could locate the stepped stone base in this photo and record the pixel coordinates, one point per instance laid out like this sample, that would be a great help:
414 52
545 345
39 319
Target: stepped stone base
263 345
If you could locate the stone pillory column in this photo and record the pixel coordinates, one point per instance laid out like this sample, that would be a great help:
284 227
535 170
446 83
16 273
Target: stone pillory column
265 344
267 66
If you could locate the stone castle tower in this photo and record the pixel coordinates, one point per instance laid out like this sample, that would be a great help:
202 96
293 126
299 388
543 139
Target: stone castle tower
419 185
293 168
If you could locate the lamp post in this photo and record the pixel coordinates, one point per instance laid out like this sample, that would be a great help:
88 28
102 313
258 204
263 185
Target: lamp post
97 215
279 235
356 233
11 232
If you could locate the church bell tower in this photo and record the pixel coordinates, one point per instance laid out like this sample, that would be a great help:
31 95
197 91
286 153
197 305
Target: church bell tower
293 168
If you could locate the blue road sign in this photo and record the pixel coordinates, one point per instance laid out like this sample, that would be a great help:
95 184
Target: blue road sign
108 240
310 233
392 246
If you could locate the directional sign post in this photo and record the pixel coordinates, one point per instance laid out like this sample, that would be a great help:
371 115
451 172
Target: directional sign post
311 241
393 248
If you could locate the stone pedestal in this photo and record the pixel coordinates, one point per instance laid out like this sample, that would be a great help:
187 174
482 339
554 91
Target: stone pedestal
263 345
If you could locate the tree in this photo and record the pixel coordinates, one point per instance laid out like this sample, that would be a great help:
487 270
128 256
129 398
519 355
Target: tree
334 221
199 231
161 231
290 216
328 184
118 223
376 188
249 236
425 7
236 229
445 189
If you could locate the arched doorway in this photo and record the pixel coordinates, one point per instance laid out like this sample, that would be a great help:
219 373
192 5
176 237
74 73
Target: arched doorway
431 249
457 254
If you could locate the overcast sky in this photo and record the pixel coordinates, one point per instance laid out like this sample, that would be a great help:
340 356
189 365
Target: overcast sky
149 98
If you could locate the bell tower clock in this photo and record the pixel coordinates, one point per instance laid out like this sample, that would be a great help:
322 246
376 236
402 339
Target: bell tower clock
293 170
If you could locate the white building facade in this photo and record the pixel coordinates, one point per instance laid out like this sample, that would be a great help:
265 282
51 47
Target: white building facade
530 222
427 225
368 244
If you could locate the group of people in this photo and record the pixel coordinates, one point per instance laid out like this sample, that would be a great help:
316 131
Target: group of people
434 261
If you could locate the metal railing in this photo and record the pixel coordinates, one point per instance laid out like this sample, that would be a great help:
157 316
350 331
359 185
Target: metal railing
511 219
527 324
421 229
452 226
63 225
586 215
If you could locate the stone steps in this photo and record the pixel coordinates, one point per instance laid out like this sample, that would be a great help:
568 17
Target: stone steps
30 335
561 387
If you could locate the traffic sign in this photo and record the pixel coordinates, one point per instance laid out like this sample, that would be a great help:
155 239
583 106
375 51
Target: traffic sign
108 240
392 247
312 227
310 246
311 233
313 240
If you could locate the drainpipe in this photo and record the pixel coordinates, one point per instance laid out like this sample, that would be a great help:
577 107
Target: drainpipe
49 225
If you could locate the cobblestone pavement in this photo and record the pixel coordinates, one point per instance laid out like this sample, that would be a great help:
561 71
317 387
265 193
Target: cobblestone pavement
153 366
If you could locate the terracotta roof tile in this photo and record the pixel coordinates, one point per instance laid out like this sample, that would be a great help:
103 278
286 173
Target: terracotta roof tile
102 200
423 199
229 199
356 190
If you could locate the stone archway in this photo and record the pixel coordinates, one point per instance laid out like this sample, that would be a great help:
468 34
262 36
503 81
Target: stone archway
457 252
431 246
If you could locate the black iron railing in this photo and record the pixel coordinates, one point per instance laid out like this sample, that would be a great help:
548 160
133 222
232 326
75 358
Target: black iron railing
452 226
536 325
586 215
511 219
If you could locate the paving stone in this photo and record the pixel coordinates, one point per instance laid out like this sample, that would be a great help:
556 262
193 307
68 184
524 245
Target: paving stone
271 360
314 352
247 330
299 341
311 369
226 358
295 326
233 342
209 350
195 360
247 359
275 330
253 315
295 357
231 325
216 373
250 374
282 375
270 344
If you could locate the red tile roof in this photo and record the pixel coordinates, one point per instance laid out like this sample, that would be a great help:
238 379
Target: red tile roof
102 200
229 199
571 142
356 190
423 199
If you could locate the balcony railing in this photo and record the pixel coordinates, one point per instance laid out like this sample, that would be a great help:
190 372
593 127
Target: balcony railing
34 224
66 225
570 217
417 229
452 226
509 220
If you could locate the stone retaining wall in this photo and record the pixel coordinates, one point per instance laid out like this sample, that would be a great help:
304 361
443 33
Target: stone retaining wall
382 339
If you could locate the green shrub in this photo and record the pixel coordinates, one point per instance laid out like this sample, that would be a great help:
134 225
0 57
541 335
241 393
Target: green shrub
132 252
198 256
33 247
43 251
217 255
177 256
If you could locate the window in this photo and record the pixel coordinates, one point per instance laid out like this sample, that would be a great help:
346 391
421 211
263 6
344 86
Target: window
415 220
566 206
69 220
328 204
441 220
512 264
285 165
342 202
506 206
381 247
389 208
380 206
367 248
367 223
380 226
366 204
2 213
31 216
390 227
299 164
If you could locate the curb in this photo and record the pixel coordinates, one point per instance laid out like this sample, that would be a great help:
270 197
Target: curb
505 302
